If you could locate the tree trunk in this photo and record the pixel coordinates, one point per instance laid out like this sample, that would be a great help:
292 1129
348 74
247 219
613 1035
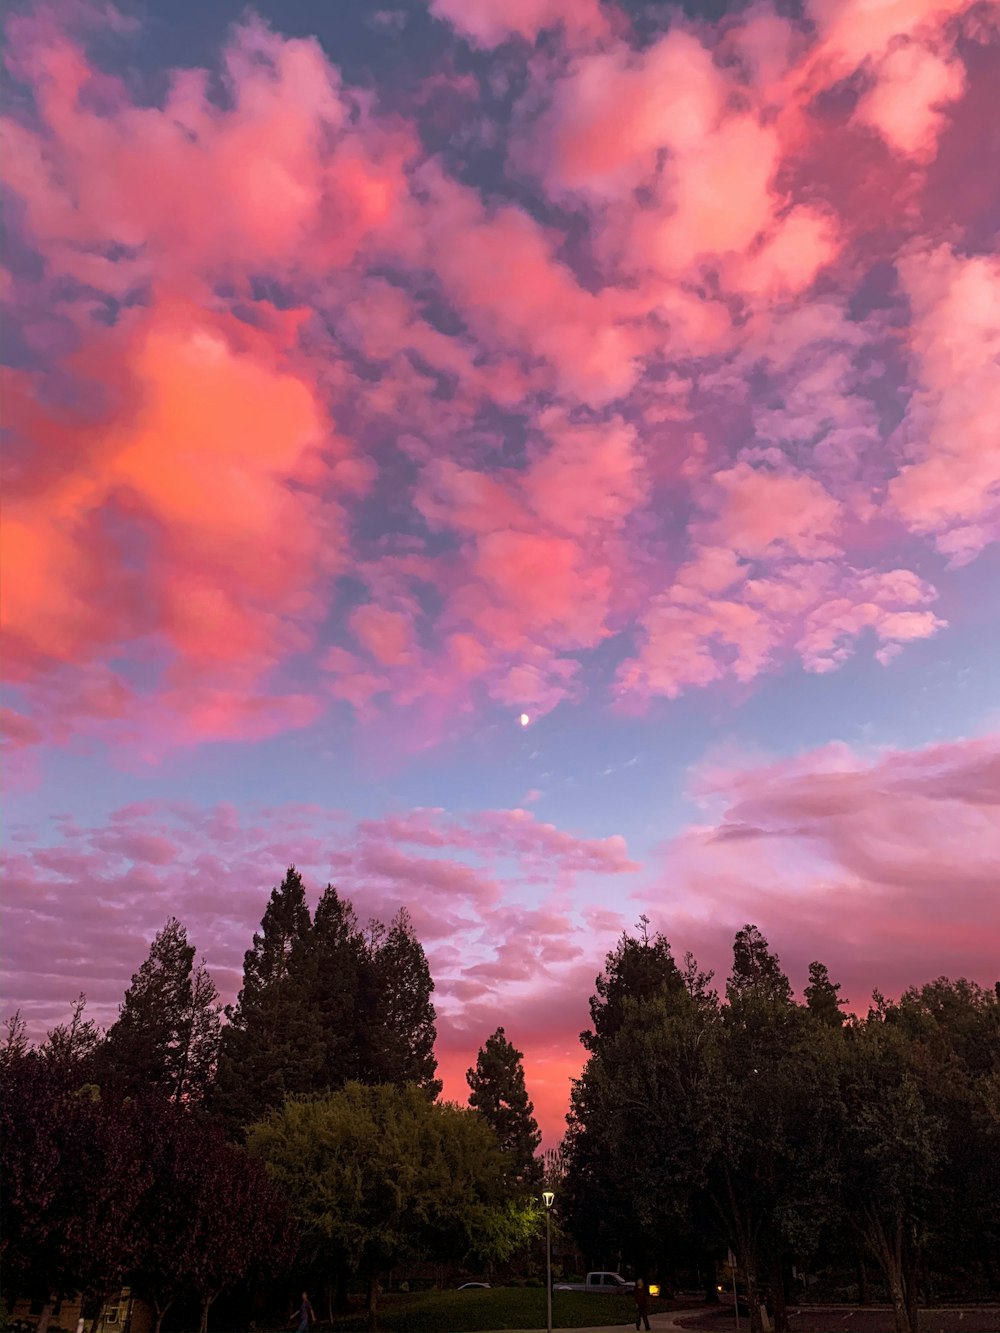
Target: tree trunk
862 1280
161 1311
910 1264
778 1307
372 1303
889 1252
340 1300
46 1315
206 1305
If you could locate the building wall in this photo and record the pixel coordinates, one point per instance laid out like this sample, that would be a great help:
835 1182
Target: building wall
122 1314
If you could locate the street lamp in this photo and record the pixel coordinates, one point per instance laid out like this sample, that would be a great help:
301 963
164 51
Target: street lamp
548 1198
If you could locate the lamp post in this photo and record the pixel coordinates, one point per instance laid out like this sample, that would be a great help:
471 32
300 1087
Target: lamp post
548 1198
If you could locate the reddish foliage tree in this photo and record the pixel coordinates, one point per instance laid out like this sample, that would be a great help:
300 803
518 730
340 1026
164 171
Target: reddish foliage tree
74 1178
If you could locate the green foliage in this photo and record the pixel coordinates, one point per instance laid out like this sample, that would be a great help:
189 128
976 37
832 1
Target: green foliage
783 1132
273 1044
378 1174
822 996
637 969
756 969
322 1004
397 1030
337 961
498 1093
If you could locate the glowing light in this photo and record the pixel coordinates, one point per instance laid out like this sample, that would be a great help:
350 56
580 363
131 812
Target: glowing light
524 719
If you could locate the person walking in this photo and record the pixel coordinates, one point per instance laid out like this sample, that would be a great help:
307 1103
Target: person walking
640 1294
306 1313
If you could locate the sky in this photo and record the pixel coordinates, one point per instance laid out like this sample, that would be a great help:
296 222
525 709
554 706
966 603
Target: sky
534 462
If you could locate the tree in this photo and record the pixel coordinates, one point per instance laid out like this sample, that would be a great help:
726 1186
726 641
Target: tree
634 1165
215 1217
273 1045
952 1034
756 968
891 1152
376 1174
72 1049
337 963
397 1019
638 968
498 1093
823 996
167 1033
771 1140
70 1211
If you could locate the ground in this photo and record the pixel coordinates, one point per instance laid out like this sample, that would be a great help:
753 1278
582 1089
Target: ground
833 1319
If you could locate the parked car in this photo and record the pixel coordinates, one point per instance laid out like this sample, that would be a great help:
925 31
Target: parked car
606 1283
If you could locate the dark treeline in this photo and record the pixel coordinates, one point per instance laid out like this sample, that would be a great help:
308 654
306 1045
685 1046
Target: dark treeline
792 1134
177 1152
297 1136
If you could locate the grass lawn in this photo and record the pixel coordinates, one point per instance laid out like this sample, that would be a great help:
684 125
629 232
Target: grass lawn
497 1308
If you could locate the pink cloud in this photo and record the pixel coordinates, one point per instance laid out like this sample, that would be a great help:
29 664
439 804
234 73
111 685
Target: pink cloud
906 102
950 487
759 512
488 23
691 640
883 867
642 402
187 188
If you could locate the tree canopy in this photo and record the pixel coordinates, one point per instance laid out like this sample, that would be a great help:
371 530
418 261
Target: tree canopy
497 1091
375 1174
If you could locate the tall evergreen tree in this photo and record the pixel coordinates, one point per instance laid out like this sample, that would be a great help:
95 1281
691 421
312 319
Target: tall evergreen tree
396 1015
822 996
273 1044
337 966
756 969
167 1032
498 1093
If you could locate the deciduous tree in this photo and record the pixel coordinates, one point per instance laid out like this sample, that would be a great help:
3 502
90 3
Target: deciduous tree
376 1174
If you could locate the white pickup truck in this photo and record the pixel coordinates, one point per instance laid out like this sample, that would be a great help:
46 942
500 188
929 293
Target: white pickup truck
602 1282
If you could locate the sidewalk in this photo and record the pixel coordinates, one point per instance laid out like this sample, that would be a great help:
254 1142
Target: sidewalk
838 1319
811 1319
658 1323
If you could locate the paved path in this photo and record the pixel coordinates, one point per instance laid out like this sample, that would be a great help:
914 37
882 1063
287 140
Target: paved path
813 1319
837 1319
